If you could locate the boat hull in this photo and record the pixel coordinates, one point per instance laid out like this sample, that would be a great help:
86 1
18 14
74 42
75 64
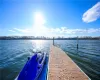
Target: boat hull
33 68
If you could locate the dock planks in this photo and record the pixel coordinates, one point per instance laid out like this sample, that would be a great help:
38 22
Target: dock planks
61 67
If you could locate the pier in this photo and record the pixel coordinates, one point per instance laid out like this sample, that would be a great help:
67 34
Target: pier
61 66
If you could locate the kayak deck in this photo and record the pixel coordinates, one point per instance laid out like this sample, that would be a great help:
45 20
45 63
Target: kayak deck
33 68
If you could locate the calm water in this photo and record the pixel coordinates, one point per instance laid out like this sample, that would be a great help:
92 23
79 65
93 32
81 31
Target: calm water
14 53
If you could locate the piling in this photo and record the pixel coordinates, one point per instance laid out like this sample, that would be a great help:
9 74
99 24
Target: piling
77 42
53 40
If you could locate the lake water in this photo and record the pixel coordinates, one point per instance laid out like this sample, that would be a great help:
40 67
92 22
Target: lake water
14 53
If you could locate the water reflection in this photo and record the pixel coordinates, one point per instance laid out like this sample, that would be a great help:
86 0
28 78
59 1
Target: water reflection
38 45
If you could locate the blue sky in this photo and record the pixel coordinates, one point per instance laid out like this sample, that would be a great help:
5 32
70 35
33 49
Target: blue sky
62 18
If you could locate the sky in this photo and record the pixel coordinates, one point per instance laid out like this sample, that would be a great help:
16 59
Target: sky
50 18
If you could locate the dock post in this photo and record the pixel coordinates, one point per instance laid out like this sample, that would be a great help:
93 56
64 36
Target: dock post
77 42
53 40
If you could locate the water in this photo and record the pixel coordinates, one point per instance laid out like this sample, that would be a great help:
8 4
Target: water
14 53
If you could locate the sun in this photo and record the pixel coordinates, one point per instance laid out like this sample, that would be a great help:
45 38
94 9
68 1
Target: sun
39 19
39 22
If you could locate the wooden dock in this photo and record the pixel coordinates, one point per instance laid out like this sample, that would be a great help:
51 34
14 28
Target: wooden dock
61 67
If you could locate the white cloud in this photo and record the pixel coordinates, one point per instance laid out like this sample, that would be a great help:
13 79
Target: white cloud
21 30
50 32
12 31
92 14
64 30
92 30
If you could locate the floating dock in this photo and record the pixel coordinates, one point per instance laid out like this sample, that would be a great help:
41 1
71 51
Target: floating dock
61 67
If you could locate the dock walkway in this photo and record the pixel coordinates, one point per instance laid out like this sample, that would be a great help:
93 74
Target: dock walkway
61 67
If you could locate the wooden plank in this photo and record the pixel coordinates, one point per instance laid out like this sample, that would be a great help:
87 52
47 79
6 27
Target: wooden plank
61 67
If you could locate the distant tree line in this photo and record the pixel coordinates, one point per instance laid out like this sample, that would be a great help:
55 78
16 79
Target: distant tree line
47 38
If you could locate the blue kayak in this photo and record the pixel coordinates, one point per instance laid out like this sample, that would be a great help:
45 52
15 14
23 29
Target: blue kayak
43 75
33 67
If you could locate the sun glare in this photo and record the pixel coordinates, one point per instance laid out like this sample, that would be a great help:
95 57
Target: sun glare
39 18
38 44
39 22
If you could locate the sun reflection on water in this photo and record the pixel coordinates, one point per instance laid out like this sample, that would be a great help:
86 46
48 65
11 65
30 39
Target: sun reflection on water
38 45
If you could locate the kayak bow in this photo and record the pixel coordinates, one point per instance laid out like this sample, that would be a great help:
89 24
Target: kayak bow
33 67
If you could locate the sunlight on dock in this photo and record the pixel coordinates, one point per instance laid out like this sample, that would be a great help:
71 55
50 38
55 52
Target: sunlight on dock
61 67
